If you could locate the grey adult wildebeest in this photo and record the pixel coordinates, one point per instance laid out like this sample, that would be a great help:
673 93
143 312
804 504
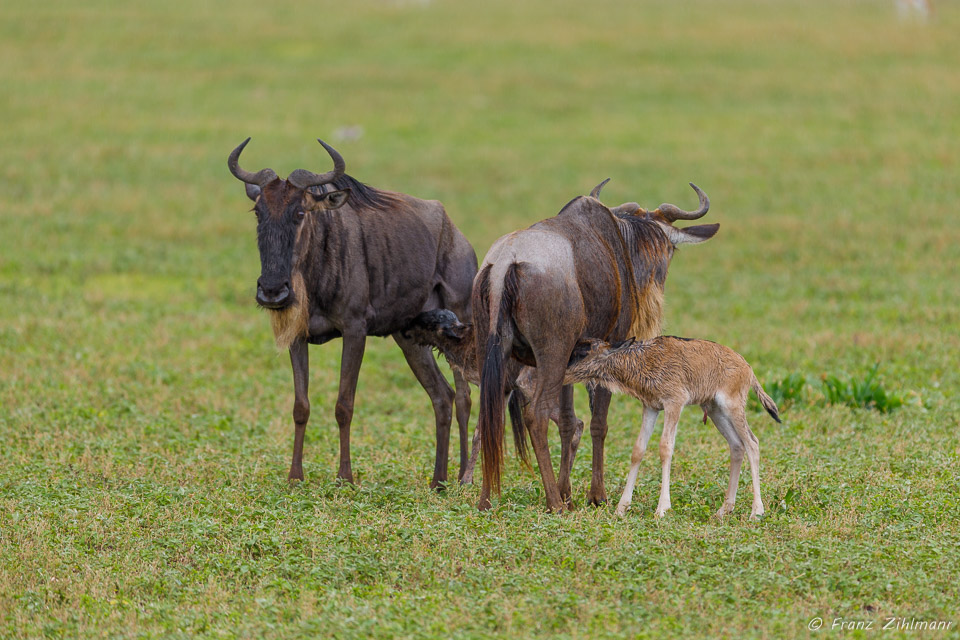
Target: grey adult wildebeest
588 272
339 258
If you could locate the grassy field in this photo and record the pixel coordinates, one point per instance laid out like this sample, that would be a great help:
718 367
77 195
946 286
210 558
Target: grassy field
145 414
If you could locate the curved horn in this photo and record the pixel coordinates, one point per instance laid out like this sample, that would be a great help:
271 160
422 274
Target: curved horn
672 212
259 178
301 178
596 190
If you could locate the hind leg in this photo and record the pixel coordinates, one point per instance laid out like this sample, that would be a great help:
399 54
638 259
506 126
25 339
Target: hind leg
639 448
568 428
723 423
424 367
599 405
739 418
462 403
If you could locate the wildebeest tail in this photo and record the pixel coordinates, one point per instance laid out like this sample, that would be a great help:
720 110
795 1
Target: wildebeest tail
495 341
766 400
515 402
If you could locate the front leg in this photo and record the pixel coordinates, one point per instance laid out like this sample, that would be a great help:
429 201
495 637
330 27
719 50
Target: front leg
353 347
639 448
599 405
671 416
300 361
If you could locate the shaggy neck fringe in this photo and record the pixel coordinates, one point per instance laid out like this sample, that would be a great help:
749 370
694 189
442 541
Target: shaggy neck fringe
294 321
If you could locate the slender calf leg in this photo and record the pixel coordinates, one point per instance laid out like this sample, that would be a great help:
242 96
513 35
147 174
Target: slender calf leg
599 405
421 361
353 347
739 419
462 403
639 448
724 425
300 360
671 415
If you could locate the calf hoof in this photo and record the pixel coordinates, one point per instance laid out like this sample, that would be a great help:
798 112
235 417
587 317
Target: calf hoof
295 475
345 478
484 504
621 510
438 485
724 510
660 513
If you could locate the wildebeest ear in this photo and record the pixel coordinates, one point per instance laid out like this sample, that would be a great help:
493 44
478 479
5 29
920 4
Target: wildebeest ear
335 199
328 201
627 208
689 235
253 191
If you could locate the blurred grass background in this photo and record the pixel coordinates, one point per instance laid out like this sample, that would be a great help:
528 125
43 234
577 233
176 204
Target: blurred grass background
144 412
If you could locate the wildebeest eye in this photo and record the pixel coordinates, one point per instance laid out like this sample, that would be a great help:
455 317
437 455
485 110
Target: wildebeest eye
301 214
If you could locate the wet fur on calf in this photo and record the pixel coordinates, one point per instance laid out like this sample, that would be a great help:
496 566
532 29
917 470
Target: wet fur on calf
666 374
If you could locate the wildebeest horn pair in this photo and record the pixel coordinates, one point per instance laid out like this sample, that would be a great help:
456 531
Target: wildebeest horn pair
300 178
669 211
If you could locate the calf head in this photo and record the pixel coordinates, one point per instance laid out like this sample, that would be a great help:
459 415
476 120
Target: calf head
430 325
282 208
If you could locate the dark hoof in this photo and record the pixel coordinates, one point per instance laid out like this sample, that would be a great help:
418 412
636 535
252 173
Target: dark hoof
439 486
295 475
344 478
484 505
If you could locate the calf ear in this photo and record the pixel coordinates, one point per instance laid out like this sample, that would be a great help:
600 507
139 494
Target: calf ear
455 331
253 191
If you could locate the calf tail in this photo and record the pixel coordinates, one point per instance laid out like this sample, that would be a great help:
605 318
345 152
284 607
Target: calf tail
765 400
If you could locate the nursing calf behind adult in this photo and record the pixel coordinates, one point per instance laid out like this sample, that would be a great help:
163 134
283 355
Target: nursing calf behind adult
588 272
340 258
668 373
442 330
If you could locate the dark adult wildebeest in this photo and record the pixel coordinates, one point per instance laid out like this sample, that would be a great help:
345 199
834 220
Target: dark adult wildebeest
339 258
588 272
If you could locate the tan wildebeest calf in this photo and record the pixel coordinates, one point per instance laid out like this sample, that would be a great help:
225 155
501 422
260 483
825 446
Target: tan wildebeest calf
666 374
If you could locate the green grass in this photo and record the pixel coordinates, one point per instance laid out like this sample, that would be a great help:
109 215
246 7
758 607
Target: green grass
145 415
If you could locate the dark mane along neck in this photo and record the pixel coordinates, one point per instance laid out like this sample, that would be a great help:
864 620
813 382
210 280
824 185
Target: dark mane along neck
363 196
649 248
